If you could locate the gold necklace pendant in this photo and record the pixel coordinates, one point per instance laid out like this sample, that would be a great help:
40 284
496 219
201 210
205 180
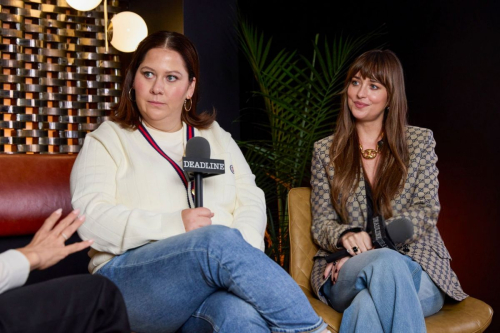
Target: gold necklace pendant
368 154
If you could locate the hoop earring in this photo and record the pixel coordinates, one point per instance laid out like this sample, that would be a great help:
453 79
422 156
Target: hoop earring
130 95
190 105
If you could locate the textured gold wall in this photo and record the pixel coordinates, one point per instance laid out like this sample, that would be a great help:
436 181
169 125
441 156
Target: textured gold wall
57 83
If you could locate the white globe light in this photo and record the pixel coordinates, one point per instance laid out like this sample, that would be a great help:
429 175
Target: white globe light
128 30
83 5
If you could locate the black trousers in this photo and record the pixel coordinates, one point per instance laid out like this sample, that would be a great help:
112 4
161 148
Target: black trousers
79 303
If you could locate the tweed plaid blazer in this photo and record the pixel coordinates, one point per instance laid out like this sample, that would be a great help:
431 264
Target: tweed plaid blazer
418 201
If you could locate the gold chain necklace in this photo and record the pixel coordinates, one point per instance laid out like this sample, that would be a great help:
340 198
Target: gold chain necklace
370 154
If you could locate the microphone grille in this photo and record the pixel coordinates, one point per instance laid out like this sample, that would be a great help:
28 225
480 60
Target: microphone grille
198 147
400 230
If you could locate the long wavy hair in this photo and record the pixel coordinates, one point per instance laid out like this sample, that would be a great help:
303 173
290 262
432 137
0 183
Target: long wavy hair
127 114
385 67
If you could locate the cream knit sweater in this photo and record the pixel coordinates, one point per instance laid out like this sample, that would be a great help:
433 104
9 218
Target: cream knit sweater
132 196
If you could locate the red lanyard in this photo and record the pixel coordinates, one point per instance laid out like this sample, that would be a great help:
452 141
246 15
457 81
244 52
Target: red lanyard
177 168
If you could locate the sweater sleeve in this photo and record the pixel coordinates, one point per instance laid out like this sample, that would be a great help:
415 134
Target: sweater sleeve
249 216
14 270
114 227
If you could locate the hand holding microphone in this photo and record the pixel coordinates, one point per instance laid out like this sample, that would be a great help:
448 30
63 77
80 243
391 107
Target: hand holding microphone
397 232
198 165
356 242
195 218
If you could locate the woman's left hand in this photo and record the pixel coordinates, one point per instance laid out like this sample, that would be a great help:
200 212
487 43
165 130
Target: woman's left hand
356 242
335 266
48 245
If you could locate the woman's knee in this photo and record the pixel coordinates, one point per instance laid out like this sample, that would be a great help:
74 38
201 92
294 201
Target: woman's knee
221 235
386 258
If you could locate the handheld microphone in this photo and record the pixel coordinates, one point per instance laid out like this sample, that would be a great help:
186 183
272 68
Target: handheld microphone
198 165
398 232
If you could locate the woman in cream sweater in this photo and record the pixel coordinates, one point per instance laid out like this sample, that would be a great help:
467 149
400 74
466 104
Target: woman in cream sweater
179 268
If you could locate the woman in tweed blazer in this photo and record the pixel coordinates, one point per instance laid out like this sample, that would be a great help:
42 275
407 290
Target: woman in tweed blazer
378 290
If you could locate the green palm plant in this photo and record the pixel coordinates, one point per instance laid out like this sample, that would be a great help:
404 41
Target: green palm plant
301 101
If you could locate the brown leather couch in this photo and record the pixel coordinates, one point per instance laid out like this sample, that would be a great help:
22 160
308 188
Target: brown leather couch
470 315
32 187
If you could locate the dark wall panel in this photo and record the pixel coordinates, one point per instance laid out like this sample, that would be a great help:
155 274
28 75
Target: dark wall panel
211 25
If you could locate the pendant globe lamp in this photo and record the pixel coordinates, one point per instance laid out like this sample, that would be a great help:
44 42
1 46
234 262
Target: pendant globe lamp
127 30
83 5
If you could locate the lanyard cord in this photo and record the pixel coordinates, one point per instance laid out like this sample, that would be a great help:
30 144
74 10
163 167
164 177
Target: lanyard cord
177 168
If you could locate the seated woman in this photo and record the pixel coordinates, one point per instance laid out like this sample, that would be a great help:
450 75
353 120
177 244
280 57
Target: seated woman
179 268
375 165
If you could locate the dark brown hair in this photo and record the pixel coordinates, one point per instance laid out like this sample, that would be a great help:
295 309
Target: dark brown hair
385 67
127 114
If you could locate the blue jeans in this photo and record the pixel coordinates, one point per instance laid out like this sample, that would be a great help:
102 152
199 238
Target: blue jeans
209 280
383 291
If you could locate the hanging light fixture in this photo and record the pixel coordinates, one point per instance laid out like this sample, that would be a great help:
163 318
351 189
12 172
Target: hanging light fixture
127 30
83 5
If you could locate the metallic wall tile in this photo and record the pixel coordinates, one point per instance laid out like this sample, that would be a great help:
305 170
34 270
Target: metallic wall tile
32 133
52 111
52 141
30 117
69 149
72 134
43 66
11 79
11 140
29 57
32 148
91 98
11 32
10 48
6 17
91 112
9 63
30 87
73 90
11 124
51 126
11 94
58 83
11 109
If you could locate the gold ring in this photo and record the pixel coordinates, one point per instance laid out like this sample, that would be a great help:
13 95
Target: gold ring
64 236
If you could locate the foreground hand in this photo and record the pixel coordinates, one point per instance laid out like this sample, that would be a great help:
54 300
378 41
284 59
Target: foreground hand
356 242
335 266
195 218
47 247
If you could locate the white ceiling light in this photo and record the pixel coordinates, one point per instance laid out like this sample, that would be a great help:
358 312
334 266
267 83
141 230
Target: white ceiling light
83 5
128 29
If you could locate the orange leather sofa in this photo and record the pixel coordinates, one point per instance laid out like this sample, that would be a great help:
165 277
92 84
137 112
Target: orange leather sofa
31 188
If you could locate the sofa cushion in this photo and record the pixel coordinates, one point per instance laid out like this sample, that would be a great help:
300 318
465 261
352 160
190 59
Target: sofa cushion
32 187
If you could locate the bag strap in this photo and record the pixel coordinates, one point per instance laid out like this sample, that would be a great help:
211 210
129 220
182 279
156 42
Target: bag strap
375 225
180 172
